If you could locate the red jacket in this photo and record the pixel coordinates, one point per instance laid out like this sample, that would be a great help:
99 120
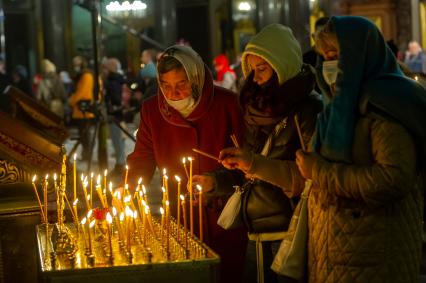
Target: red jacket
165 137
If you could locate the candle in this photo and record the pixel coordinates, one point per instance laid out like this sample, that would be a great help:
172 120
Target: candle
83 222
162 224
184 166
191 212
74 206
92 223
167 227
109 221
121 225
38 199
200 211
91 189
75 176
166 178
144 224
129 215
45 197
163 202
184 222
178 206
127 174
105 187
164 174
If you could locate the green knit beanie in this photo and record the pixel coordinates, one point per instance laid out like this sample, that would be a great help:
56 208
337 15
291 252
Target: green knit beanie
276 45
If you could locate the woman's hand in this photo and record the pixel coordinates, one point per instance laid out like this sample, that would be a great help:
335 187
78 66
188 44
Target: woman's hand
236 158
206 182
305 161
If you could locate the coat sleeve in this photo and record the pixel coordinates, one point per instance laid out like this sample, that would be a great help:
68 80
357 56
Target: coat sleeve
389 177
142 161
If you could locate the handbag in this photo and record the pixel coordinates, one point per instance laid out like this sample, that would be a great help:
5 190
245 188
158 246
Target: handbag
290 259
231 215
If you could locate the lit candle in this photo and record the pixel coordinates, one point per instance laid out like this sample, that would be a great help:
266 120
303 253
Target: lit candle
178 206
184 166
167 227
166 178
74 206
121 225
55 184
127 174
109 221
144 224
83 223
129 215
75 176
85 183
99 191
43 217
163 202
110 187
184 222
162 224
191 212
164 174
105 186
200 211
92 223
91 189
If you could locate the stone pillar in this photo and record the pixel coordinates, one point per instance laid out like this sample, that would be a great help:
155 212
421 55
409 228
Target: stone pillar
165 21
56 17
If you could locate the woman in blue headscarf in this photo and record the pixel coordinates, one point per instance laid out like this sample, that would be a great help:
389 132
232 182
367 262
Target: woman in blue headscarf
365 207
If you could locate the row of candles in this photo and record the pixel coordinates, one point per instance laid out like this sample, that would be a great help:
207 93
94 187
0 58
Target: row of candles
123 212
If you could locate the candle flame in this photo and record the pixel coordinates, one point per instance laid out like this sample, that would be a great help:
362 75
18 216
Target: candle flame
140 180
109 218
177 178
190 159
88 197
75 201
167 203
114 211
47 177
140 194
126 186
105 172
143 203
161 210
89 213
110 187
75 156
182 197
184 160
166 177
164 171
92 174
92 223
121 216
199 188
98 180
128 211
54 177
163 189
118 195
144 189
83 221
82 177
127 167
146 209
135 214
34 178
127 198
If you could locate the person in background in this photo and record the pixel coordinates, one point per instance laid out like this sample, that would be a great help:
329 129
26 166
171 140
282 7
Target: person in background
278 86
190 112
113 83
365 206
415 58
225 76
20 80
81 99
51 91
310 56
148 73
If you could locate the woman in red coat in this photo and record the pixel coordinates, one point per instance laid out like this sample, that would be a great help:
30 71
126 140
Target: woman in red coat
190 112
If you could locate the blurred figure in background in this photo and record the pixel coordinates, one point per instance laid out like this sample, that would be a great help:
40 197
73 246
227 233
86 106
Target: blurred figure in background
113 85
20 79
225 76
51 91
80 102
148 73
415 58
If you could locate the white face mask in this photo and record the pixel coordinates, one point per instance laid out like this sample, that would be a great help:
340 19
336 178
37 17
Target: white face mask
329 71
183 106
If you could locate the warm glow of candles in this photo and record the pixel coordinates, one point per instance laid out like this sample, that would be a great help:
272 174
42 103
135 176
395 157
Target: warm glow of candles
83 223
184 166
162 224
74 206
110 187
91 189
75 176
92 223
45 198
200 210
163 202
105 185
43 217
167 227
109 221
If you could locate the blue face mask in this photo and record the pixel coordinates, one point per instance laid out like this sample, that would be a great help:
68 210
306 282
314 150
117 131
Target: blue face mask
330 71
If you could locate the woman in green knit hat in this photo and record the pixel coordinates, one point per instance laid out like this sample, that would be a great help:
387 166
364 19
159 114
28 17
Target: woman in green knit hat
277 87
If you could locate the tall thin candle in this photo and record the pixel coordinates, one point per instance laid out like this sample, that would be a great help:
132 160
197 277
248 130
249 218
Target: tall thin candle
178 206
191 212
200 210
75 176
38 199
184 222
